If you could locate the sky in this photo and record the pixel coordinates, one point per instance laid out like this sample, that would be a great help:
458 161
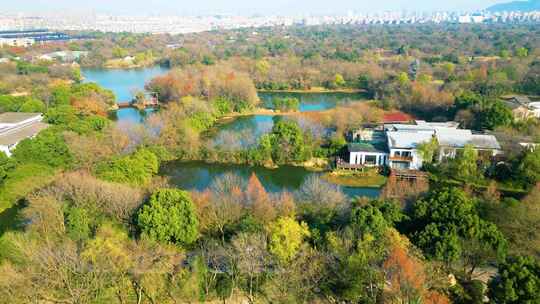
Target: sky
242 7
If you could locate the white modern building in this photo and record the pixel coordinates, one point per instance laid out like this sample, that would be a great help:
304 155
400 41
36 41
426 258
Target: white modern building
14 127
397 145
17 42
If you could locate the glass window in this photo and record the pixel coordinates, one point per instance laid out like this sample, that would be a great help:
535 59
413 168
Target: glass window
400 165
371 160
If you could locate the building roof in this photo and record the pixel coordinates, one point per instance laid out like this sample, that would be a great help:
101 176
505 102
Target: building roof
446 124
461 138
512 104
396 117
16 135
524 100
16 117
485 142
364 146
407 140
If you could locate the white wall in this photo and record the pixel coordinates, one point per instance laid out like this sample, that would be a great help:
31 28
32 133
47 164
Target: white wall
416 163
359 158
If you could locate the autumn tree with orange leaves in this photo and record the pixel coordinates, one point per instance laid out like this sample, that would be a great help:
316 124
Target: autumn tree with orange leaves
406 280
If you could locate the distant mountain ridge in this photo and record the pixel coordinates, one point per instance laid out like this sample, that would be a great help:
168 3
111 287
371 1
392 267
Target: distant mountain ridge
521 6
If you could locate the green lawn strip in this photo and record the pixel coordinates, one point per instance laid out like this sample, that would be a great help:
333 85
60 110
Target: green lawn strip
350 179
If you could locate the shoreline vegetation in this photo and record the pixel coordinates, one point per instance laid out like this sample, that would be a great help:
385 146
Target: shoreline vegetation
98 215
315 90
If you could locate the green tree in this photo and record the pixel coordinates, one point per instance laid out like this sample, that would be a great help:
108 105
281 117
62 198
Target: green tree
33 106
6 165
339 81
286 104
60 95
531 82
467 100
444 224
529 169
522 52
136 169
518 281
494 114
286 237
368 221
48 148
78 223
287 141
119 52
403 79
21 104
169 216
466 164
428 150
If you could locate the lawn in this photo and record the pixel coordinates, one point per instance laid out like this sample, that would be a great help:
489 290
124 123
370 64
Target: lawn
370 179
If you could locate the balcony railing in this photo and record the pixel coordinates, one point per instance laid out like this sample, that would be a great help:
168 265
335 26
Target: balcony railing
402 158
342 164
409 174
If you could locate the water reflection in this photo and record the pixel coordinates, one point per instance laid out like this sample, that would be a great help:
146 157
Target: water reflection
200 175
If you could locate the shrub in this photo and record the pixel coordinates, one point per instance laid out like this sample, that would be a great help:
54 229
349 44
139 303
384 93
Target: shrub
286 104
47 148
169 216
136 169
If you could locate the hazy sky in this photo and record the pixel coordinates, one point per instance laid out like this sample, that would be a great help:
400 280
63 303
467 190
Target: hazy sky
144 7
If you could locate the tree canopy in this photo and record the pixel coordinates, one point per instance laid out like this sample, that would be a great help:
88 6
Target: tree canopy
169 216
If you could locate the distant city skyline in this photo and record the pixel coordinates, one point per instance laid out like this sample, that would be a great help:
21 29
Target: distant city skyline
242 7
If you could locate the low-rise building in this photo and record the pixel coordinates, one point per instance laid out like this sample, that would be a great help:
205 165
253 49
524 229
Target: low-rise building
397 146
15 127
522 107
64 56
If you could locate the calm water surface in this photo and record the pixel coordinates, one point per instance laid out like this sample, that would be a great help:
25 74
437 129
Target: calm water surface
200 175
243 131
312 101
124 83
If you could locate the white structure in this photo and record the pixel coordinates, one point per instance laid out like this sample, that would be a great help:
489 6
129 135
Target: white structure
14 127
17 42
65 56
535 108
397 145
403 148
523 108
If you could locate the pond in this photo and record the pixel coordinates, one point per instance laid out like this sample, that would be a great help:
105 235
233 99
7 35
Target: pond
312 101
124 83
244 131
241 132
200 175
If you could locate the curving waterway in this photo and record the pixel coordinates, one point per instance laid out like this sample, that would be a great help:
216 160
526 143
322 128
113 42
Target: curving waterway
243 131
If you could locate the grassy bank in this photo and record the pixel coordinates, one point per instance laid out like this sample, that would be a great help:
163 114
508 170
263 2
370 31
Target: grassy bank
370 179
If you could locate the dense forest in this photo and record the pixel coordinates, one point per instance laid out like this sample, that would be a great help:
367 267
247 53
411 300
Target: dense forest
88 218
